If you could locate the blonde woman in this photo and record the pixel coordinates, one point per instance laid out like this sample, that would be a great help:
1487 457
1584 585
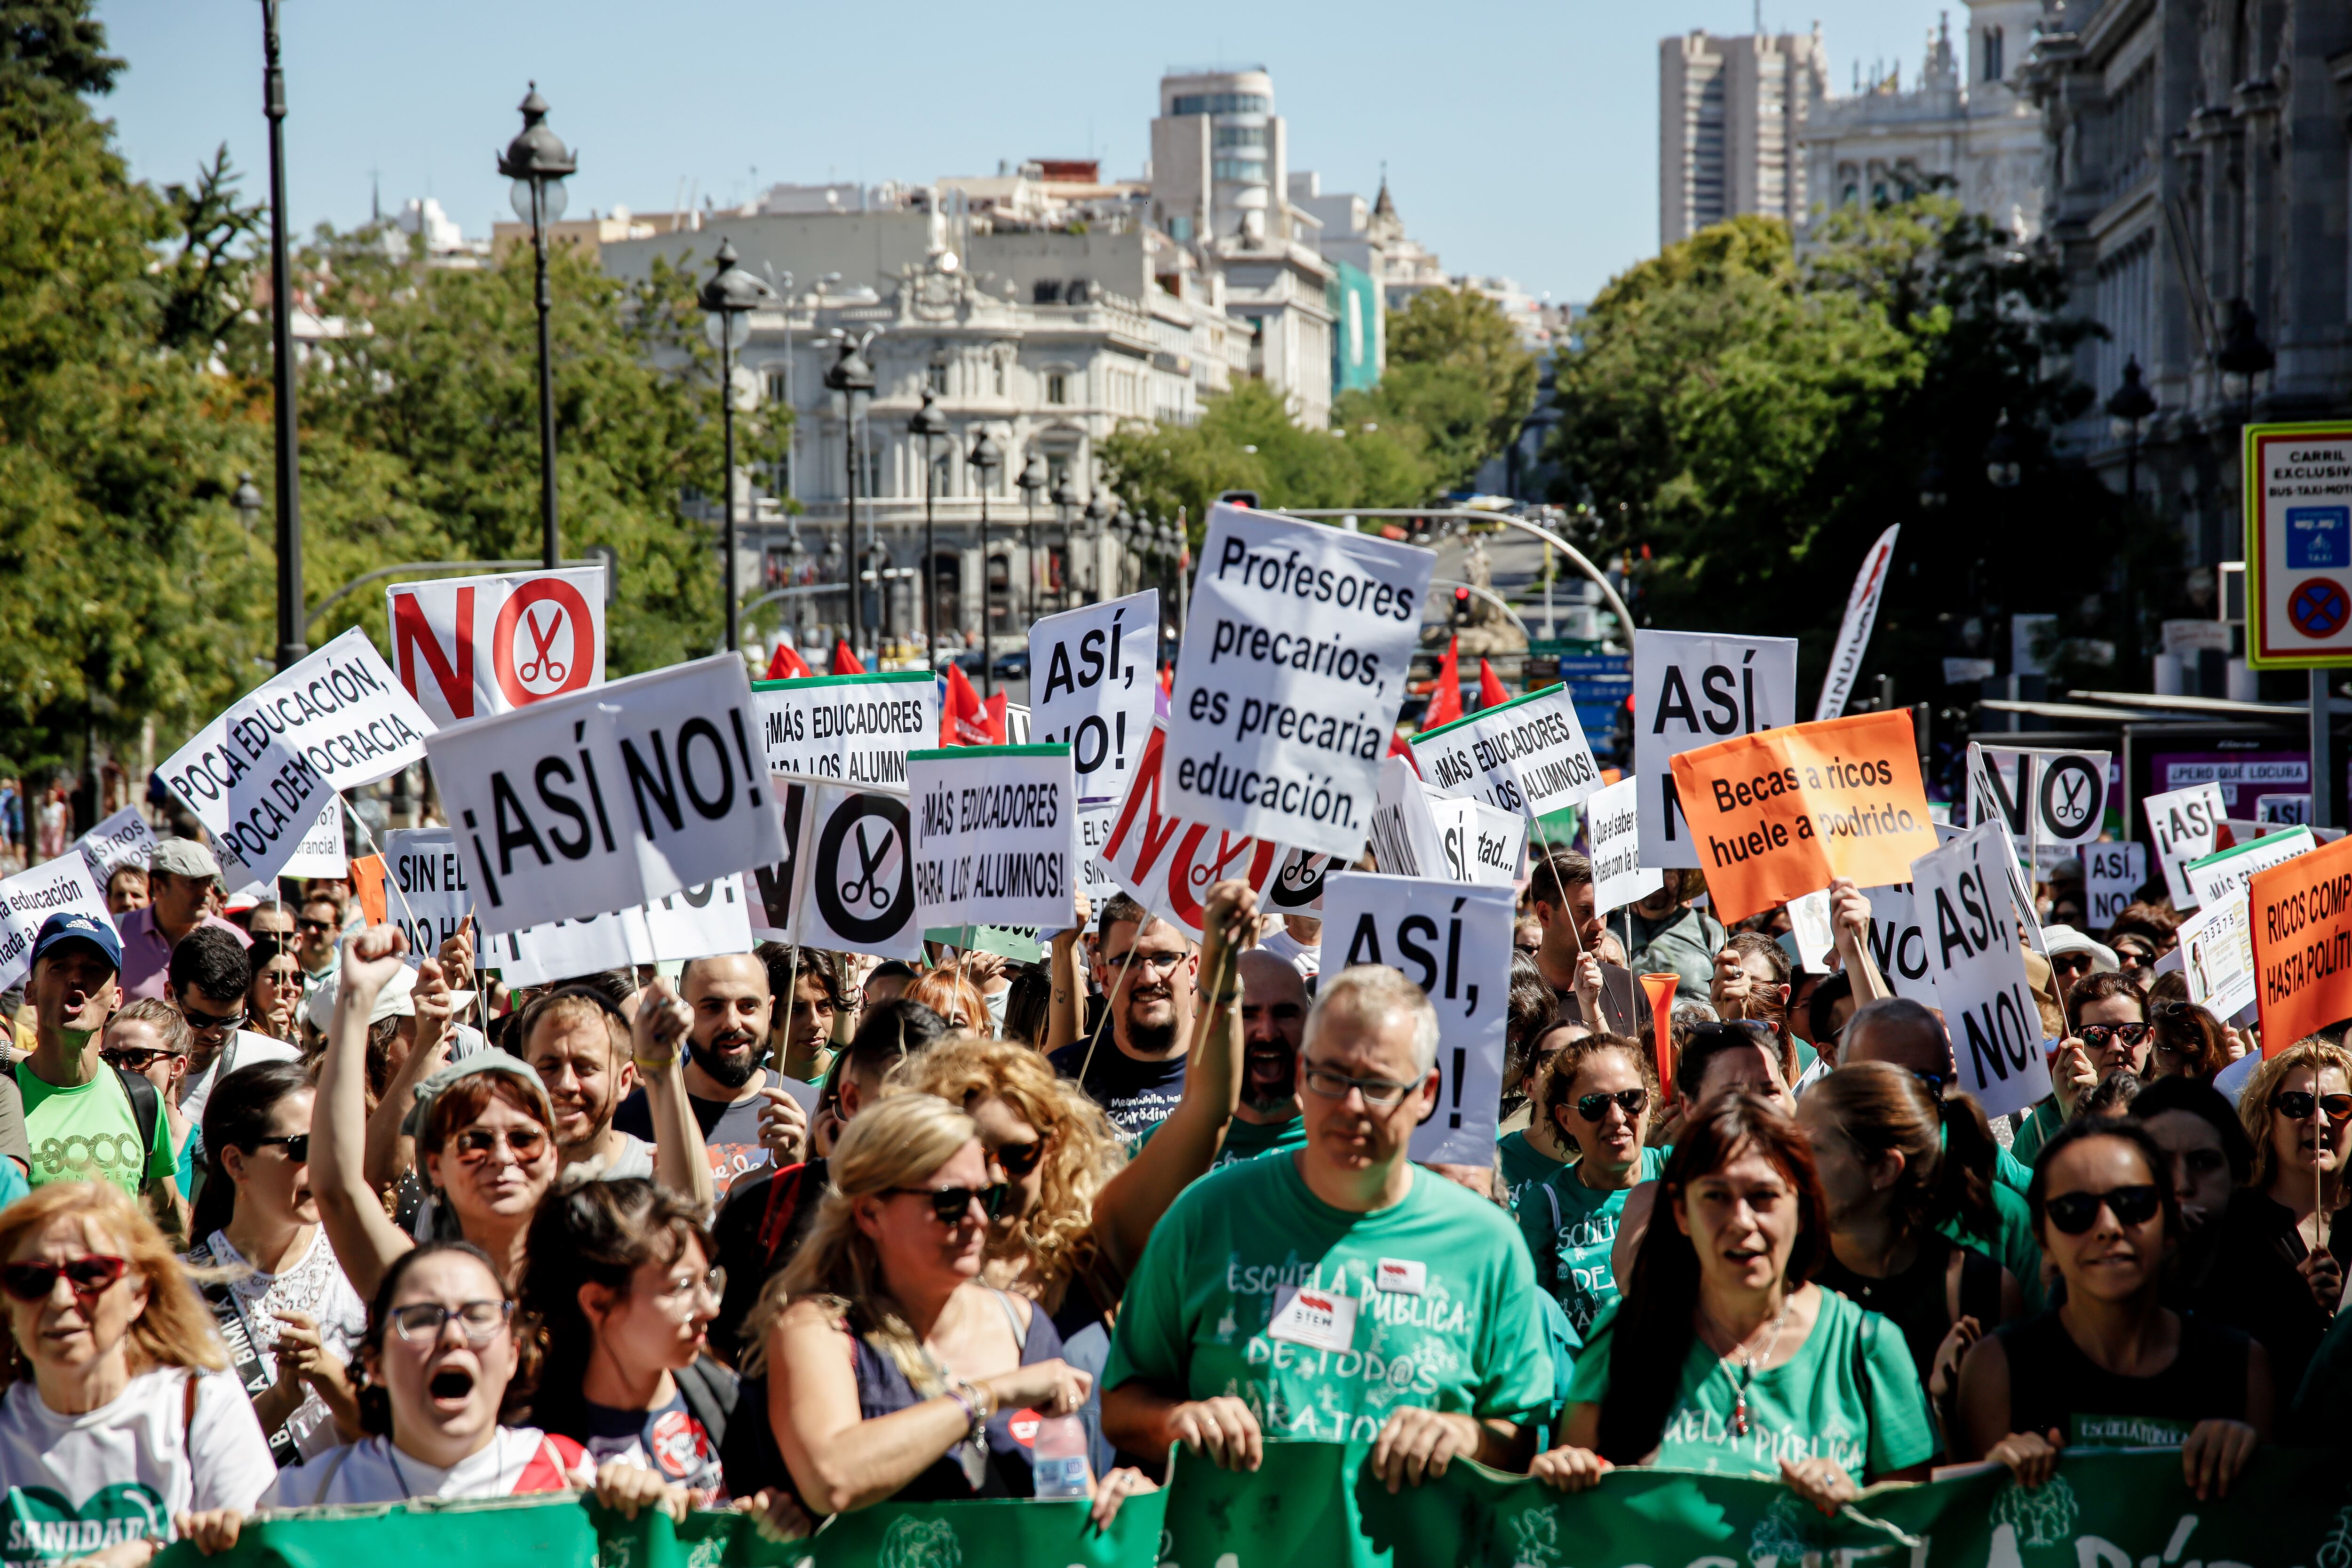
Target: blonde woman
122 1404
887 1371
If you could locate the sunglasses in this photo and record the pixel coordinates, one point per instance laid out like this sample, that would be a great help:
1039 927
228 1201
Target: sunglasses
950 1205
296 1144
1018 1158
2296 1104
2132 958
207 1023
422 1322
313 925
2097 1034
135 1058
1593 1107
476 1144
2069 962
91 1275
2075 1213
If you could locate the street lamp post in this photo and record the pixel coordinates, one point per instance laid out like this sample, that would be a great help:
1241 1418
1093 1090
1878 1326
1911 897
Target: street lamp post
987 457
853 378
246 500
1100 514
1031 479
930 426
537 161
1065 507
291 646
2131 404
2004 456
728 297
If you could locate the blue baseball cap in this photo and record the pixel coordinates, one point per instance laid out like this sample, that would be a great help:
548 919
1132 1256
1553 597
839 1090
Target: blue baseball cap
70 926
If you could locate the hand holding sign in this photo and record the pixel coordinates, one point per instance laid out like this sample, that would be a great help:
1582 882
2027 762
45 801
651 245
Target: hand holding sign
1980 969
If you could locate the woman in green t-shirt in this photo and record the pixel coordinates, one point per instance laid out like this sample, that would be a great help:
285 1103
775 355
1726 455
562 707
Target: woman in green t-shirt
1597 1094
1722 1356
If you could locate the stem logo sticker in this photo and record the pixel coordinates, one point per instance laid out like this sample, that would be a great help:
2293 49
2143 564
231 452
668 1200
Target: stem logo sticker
2319 608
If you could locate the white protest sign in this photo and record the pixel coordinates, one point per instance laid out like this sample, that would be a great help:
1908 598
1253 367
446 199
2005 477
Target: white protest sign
713 917
1980 969
425 893
2227 871
258 776
996 838
1297 885
2054 803
1613 816
1454 943
1526 755
1289 684
609 797
854 728
1854 631
122 839
2287 808
1479 843
321 853
1982 786
2113 875
561 950
1693 691
1095 674
1095 878
1900 944
465 646
1403 829
2185 824
693 922
2217 955
1169 865
847 883
59 887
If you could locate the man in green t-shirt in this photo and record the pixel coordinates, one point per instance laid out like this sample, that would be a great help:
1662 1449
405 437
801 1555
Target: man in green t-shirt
79 1117
1339 1293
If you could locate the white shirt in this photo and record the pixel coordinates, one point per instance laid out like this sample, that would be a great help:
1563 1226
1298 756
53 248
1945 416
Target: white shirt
243 1048
517 1460
634 1158
139 1449
317 1286
1307 960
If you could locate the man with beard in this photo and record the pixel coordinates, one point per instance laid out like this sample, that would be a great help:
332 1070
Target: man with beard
749 1120
1274 1016
1560 894
1151 973
577 1042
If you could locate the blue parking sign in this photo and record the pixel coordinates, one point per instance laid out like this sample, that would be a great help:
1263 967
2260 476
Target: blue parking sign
2319 537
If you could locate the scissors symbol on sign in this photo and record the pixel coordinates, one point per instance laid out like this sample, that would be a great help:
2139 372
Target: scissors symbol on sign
543 664
867 889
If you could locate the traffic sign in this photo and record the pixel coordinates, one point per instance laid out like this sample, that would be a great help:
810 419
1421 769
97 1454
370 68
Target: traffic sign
2299 545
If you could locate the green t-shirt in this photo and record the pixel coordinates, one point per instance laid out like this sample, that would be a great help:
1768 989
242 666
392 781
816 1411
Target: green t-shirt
89 1134
2041 1124
1569 1229
1524 1164
1458 1330
2011 1171
1849 1394
1244 1140
2013 1247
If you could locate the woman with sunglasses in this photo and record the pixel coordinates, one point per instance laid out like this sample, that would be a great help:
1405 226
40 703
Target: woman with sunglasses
2107 1031
121 1407
2112 1366
1722 1355
885 1369
283 1303
1595 1097
2286 1239
2135 957
275 997
486 1142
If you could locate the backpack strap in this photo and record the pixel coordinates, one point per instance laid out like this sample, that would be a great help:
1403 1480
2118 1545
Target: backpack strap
146 1108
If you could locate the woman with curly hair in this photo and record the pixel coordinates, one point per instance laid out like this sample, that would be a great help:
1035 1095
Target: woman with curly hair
1595 1096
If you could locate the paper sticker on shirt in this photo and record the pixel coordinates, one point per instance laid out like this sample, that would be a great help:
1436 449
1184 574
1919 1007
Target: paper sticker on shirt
1402 1275
1324 1319
680 1448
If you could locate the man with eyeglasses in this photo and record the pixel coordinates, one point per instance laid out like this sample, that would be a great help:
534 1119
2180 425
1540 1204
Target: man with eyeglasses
1134 1069
317 925
180 880
207 981
1340 1292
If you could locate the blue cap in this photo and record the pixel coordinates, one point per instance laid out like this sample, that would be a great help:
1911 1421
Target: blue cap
73 926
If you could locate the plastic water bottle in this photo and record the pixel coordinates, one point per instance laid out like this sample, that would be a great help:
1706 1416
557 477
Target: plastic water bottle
1058 1461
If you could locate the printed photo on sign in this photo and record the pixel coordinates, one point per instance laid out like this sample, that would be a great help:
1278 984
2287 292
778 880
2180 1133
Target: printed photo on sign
610 798
1612 817
1292 674
1094 672
1979 968
1526 756
2186 825
857 729
2217 955
1692 690
62 886
465 646
1453 942
996 835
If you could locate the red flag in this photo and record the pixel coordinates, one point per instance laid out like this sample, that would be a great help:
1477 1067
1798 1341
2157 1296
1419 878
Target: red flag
963 721
845 662
1168 681
1445 692
1400 747
788 665
994 721
1490 687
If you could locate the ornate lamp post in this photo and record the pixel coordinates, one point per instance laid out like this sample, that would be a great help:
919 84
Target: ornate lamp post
853 378
987 457
730 297
1031 479
929 426
537 161
2131 404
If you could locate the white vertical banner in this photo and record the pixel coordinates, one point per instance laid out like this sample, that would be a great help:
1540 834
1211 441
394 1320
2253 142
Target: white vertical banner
1979 968
1454 943
2113 875
1690 690
1403 830
1093 674
2186 825
62 886
1854 631
465 646
122 839
1288 687
995 836
1612 817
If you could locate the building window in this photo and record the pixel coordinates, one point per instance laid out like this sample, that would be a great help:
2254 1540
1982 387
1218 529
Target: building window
1992 53
1046 292
936 377
1240 136
999 378
777 386
1224 103
1057 386
1179 230
1235 169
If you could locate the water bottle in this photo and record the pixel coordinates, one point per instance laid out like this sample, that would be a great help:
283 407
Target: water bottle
1058 1460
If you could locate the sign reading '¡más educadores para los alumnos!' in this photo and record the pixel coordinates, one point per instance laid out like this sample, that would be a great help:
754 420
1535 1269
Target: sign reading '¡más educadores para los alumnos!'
1289 684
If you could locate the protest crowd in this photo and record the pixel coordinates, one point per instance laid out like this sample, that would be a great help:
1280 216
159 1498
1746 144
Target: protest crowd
933 1114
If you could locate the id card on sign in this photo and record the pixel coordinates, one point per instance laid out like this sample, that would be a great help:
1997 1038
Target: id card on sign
1324 1319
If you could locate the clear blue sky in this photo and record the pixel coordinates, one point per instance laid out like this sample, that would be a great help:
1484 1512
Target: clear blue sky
1519 138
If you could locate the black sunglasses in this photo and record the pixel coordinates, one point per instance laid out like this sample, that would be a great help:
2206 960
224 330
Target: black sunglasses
2075 1213
296 1144
2098 1034
90 1275
2296 1105
1593 1107
135 1059
950 1205
1018 1158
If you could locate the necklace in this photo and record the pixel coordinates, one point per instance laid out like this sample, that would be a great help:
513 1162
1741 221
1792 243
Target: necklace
1748 1363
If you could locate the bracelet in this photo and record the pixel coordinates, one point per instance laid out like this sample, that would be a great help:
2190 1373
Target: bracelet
654 1064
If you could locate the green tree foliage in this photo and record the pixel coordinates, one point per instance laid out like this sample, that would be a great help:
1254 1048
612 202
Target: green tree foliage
1746 418
1457 374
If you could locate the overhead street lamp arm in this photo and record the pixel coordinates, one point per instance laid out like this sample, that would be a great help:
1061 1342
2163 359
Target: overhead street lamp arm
1576 557
361 582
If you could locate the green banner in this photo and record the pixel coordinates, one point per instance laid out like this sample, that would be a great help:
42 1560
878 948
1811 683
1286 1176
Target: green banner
1311 1506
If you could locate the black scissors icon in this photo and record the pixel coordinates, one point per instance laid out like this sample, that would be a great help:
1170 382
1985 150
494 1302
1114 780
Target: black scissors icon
543 662
868 887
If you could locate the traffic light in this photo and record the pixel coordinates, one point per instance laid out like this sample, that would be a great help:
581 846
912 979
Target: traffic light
1461 606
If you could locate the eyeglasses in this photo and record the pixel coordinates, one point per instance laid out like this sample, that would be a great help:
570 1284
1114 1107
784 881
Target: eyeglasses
2075 1213
296 1144
91 1275
2296 1104
421 1322
950 1205
1018 1158
1158 963
1377 1091
135 1059
2096 1036
213 1024
476 1144
1593 1107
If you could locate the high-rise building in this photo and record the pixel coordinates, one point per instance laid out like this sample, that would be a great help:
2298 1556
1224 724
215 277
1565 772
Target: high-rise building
1729 113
